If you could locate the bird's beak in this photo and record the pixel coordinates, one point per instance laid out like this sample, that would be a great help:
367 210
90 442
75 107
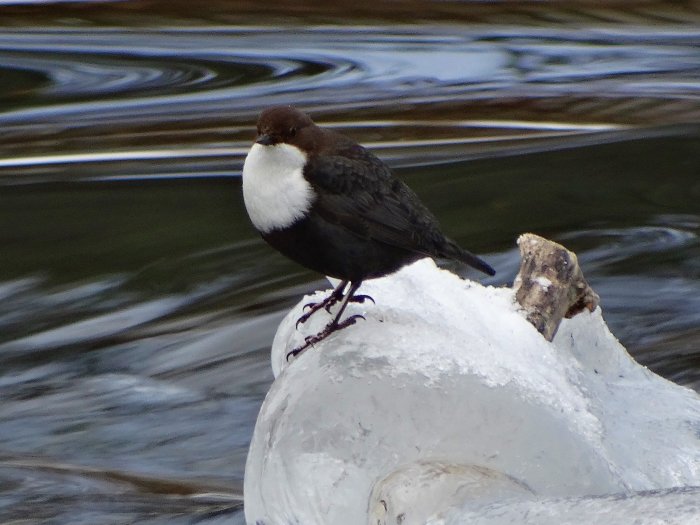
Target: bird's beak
265 140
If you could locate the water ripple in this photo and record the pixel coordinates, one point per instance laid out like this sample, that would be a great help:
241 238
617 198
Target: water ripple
119 97
225 64
97 76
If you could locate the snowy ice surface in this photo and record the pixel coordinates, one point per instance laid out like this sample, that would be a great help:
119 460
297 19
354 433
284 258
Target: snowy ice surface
446 406
678 506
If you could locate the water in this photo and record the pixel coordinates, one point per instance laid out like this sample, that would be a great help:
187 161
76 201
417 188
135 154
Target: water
138 304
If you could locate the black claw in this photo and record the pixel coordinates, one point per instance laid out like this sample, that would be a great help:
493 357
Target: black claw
295 352
308 341
314 308
350 321
361 299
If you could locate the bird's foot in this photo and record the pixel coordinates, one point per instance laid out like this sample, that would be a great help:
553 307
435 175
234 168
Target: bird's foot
327 303
361 299
330 328
315 307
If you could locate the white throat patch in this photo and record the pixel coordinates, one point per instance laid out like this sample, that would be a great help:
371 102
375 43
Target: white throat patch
275 192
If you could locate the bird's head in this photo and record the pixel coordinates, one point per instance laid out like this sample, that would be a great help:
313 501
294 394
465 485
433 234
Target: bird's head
285 125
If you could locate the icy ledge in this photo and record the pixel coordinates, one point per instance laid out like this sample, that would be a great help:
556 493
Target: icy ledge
446 406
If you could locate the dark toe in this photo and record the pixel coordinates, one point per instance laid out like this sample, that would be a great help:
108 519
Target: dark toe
362 298
350 321
297 351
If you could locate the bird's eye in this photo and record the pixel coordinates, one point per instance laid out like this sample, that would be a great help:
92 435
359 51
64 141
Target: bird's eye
292 131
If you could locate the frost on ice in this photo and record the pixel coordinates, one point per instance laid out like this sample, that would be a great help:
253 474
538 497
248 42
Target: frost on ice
446 405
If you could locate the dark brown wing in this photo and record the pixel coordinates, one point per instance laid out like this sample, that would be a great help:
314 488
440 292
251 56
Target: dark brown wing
360 193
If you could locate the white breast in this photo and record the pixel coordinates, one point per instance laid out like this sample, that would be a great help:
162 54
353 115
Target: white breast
275 192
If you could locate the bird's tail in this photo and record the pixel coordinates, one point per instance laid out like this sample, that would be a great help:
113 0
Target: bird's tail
456 252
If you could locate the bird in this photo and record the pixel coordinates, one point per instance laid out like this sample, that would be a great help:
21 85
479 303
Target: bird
329 204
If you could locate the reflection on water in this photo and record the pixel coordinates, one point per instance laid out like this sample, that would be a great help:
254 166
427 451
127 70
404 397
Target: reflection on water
137 305
118 90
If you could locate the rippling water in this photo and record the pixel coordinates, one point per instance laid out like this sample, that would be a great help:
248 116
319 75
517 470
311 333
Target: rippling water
137 305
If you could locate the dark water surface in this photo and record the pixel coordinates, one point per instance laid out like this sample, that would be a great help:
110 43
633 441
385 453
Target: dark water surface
137 304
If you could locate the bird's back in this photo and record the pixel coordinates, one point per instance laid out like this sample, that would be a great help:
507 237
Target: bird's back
357 191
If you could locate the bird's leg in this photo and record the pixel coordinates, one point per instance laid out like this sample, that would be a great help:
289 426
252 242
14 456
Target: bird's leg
335 324
335 296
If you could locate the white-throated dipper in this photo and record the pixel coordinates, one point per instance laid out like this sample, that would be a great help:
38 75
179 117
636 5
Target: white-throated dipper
327 203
